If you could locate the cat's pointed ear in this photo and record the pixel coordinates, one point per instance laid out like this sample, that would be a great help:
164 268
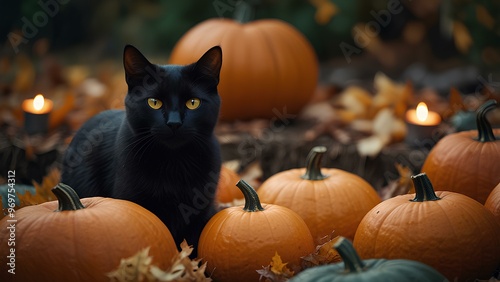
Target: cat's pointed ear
210 63
134 62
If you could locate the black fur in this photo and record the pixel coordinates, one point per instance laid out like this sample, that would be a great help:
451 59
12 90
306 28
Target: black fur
167 160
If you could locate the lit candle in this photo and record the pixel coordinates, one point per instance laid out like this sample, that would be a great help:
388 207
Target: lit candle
421 126
36 114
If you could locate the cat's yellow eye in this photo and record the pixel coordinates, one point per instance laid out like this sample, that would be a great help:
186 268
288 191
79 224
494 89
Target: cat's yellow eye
193 103
154 103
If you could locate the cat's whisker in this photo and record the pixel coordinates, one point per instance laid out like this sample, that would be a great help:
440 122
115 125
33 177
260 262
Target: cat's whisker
138 142
142 132
144 148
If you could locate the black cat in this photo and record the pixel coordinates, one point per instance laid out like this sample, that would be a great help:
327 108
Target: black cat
161 152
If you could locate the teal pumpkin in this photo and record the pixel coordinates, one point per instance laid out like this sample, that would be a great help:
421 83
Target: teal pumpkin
353 269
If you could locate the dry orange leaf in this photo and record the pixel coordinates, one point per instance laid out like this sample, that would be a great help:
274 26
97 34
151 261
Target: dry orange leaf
462 37
400 186
183 268
484 17
43 191
276 271
278 267
325 10
324 254
135 268
138 268
456 103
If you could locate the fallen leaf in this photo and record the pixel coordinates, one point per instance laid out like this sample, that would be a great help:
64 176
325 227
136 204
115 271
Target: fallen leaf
325 10
135 268
456 104
324 254
138 268
414 32
26 74
183 268
462 37
276 271
320 112
400 186
43 191
390 94
484 17
371 146
356 100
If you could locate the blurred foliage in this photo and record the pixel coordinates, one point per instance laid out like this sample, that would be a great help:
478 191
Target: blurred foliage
156 25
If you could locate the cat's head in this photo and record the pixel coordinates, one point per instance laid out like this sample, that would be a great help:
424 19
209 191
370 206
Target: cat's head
174 104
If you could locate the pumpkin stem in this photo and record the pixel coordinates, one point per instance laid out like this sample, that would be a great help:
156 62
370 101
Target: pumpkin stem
485 133
252 202
244 10
352 261
313 164
67 198
423 188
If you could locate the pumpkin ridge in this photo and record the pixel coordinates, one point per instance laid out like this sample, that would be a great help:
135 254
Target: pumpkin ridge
484 151
386 215
465 204
274 54
443 161
270 228
314 223
393 213
298 60
444 214
290 59
295 194
493 203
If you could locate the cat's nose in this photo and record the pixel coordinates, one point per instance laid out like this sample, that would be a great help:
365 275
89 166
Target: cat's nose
174 120
174 125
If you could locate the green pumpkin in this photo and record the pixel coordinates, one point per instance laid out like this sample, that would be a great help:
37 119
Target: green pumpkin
356 270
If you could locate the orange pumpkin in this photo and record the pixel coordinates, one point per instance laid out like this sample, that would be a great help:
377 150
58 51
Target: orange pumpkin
493 202
69 240
467 162
227 191
328 200
269 69
239 240
448 231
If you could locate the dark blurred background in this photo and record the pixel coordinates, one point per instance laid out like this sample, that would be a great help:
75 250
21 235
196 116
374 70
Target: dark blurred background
446 30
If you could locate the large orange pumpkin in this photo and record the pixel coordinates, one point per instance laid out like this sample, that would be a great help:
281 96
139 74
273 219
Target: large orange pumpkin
269 69
69 240
467 162
239 240
448 231
327 199
493 202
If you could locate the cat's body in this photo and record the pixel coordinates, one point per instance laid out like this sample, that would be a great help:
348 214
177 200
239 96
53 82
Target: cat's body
160 152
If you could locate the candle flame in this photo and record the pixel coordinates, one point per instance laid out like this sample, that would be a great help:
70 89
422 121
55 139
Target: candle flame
422 111
38 102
